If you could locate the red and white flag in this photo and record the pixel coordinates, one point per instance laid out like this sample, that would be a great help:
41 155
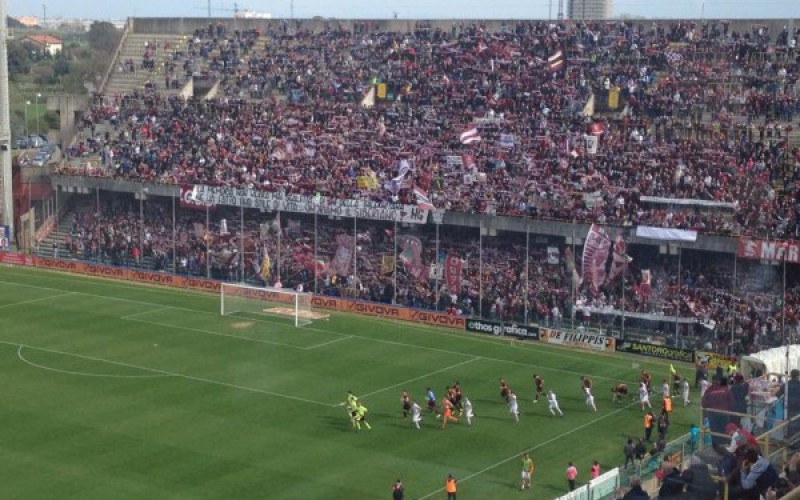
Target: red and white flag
597 129
595 255
556 61
470 135
453 267
421 196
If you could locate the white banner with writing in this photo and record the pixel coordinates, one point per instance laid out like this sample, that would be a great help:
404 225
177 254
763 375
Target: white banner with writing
322 205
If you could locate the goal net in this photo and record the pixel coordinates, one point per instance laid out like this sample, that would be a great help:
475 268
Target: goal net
237 298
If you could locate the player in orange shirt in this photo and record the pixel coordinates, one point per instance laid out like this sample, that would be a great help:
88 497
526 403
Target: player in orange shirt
448 413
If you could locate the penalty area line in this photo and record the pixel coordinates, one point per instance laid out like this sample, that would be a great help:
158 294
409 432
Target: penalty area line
404 382
532 448
171 374
315 346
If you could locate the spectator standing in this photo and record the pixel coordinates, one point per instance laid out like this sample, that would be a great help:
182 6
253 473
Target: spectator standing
672 485
793 396
450 486
717 397
739 391
628 450
572 474
649 421
594 471
398 490
636 492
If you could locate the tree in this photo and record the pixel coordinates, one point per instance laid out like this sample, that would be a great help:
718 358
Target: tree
103 36
19 59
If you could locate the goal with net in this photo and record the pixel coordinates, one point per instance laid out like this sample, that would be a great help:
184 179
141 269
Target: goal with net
237 298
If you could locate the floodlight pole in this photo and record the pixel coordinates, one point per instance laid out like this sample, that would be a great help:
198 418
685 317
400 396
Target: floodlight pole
6 195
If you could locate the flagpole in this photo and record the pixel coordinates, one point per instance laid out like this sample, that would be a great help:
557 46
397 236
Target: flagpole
678 301
206 237
355 255
241 239
527 266
480 269
394 293
437 219
573 284
316 265
278 264
174 237
733 301
624 271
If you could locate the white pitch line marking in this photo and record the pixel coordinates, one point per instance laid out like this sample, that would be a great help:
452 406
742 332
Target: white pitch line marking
211 332
400 384
346 337
532 448
172 374
31 301
309 328
83 374
149 311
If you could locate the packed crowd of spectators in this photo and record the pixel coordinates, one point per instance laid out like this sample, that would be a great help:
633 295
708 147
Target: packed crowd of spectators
718 302
684 111
697 113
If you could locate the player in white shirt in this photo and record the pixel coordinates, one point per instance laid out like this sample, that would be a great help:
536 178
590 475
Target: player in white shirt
552 403
644 396
665 390
468 412
704 384
587 392
416 414
512 405
685 392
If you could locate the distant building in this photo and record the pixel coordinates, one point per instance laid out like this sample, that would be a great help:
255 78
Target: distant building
45 43
249 14
589 9
29 21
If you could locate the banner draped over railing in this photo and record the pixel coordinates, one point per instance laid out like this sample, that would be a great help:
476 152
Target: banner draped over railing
321 205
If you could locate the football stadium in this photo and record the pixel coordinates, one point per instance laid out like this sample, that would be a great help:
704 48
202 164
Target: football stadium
354 259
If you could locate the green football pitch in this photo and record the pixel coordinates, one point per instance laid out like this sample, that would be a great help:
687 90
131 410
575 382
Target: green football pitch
115 390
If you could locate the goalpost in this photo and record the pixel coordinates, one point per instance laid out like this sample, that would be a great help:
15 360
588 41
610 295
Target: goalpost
238 298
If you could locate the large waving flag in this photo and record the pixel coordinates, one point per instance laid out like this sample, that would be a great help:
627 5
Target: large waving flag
595 255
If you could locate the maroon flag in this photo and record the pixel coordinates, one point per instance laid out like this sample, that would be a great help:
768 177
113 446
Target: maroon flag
411 256
595 255
452 273
619 259
343 258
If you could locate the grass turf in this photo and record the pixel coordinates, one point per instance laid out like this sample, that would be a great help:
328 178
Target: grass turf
116 390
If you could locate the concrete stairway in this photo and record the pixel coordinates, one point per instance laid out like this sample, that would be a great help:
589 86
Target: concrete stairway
133 49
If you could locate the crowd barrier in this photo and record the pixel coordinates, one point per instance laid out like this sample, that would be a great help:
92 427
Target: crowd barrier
573 339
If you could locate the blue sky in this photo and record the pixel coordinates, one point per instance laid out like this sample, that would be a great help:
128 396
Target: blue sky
413 9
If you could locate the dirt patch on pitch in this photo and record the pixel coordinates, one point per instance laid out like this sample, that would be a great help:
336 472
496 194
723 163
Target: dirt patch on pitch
241 325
